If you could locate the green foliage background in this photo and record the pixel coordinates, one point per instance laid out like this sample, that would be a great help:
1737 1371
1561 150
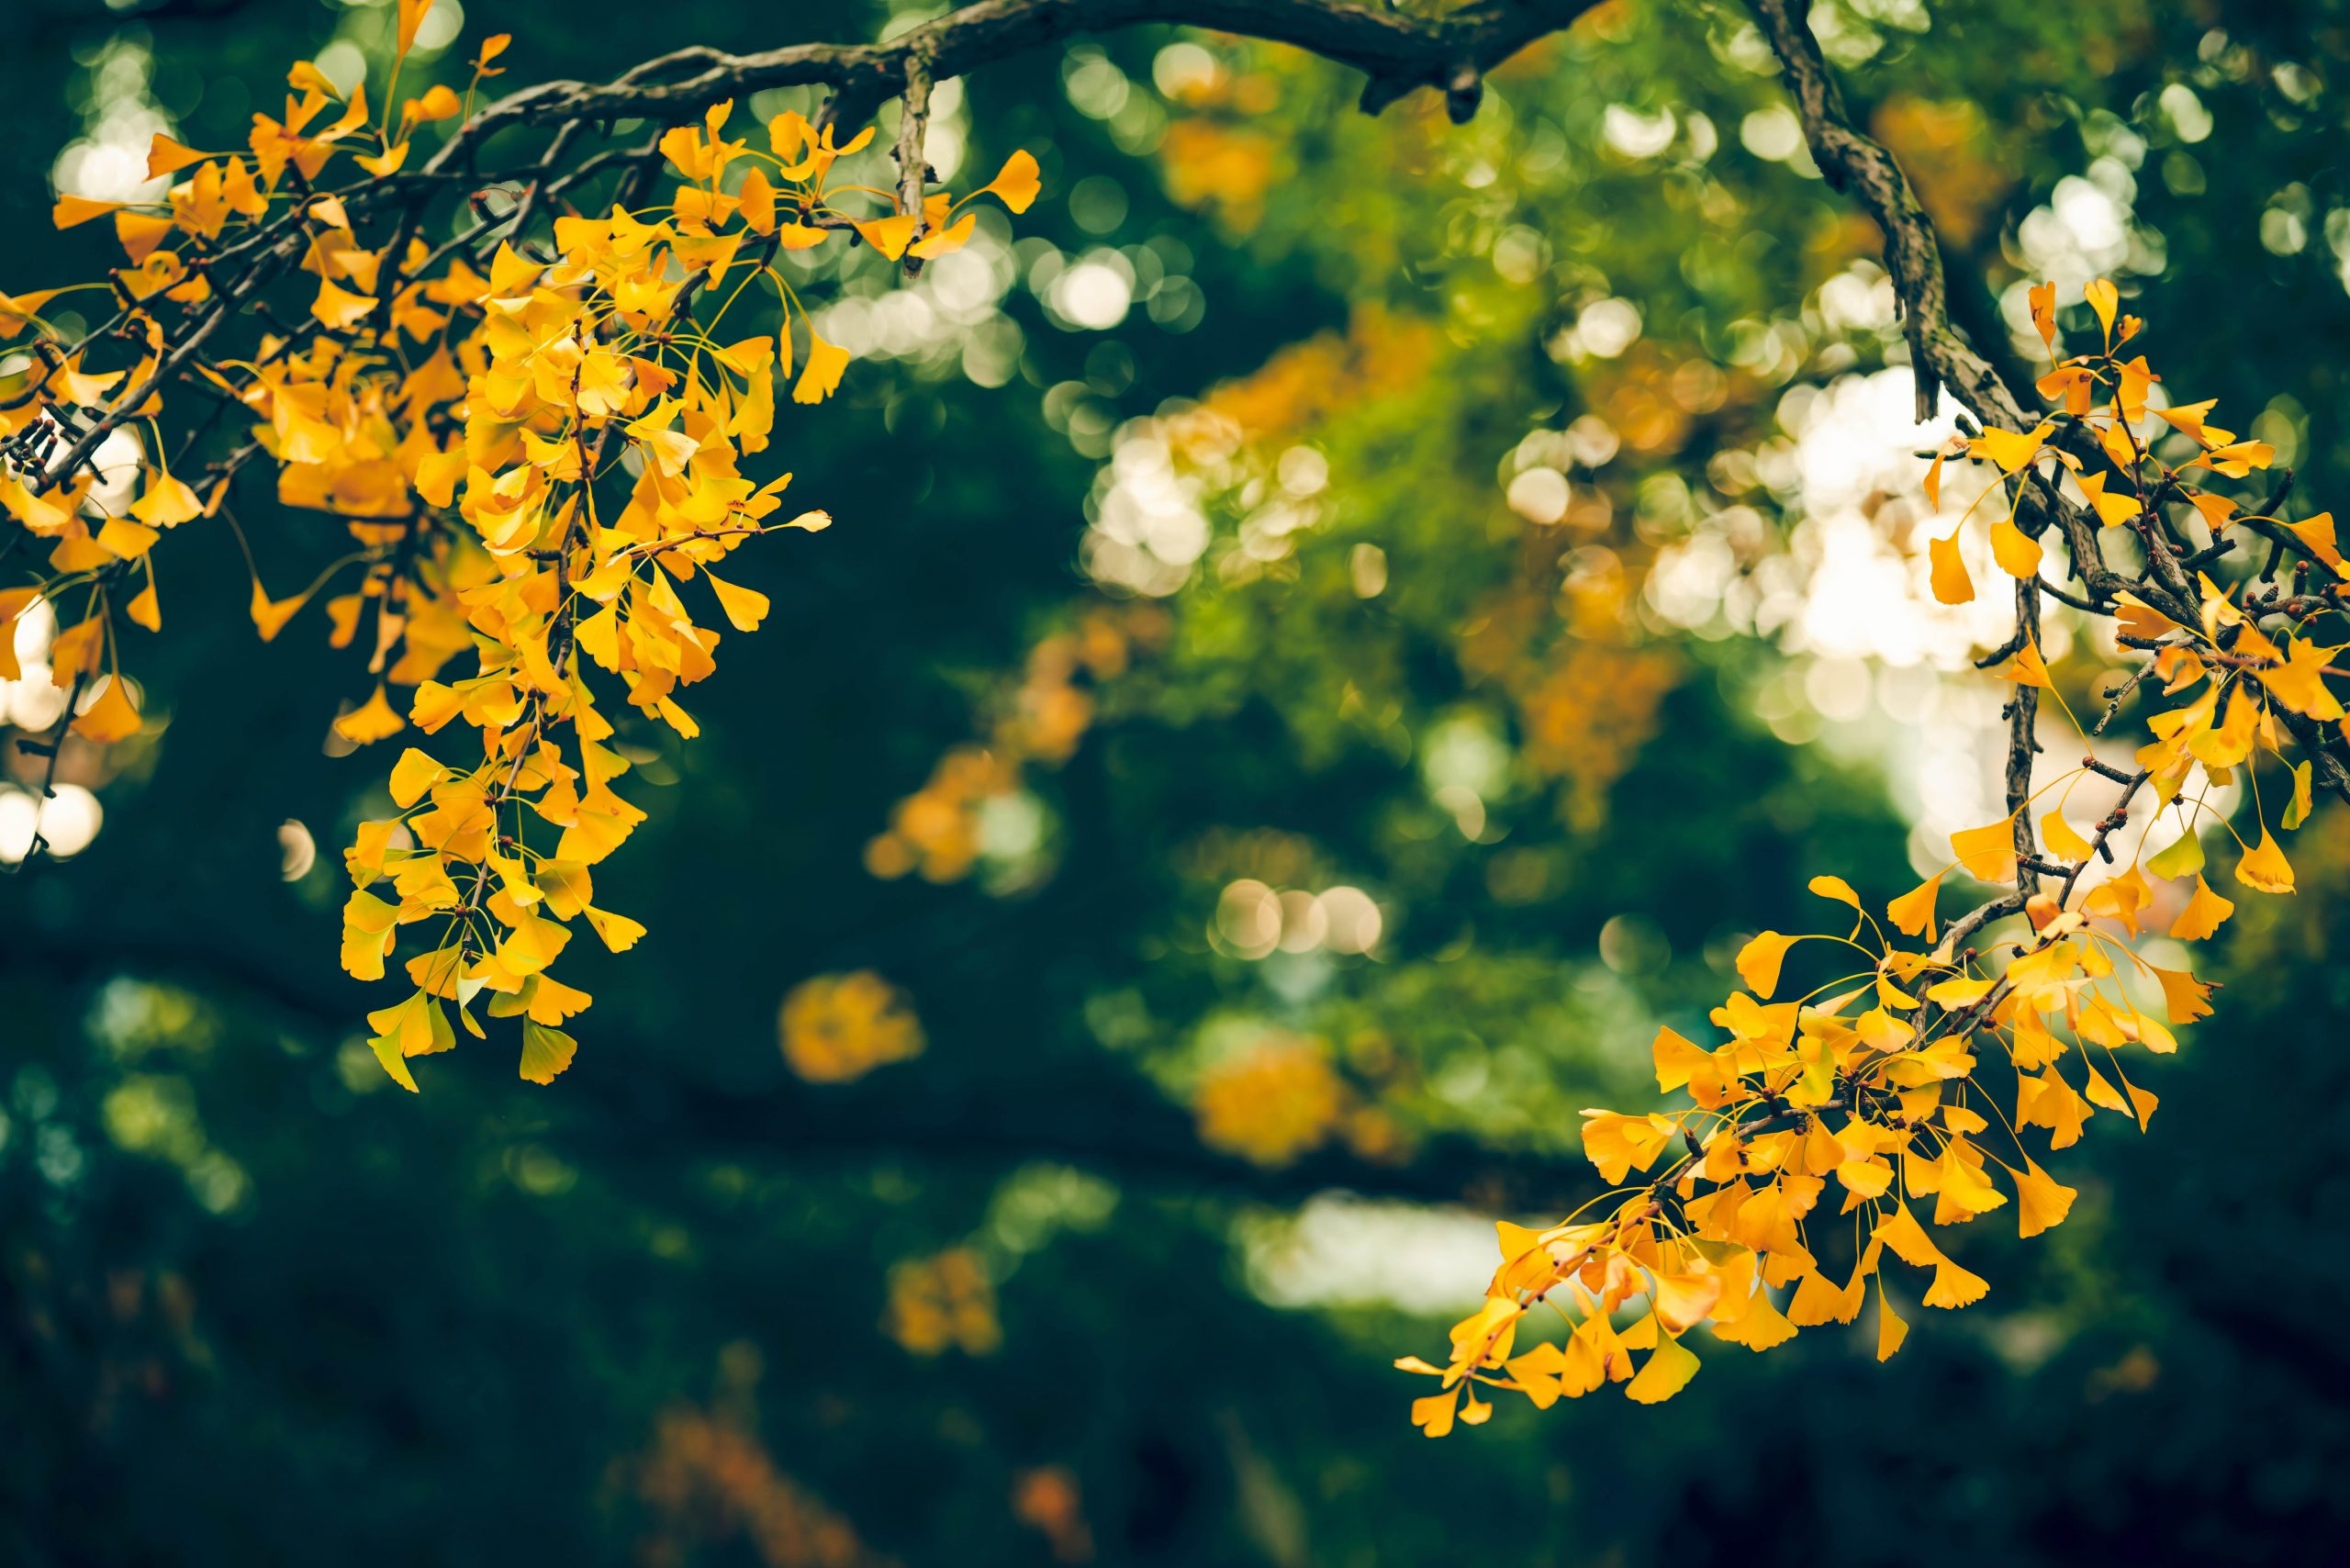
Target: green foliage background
254 1309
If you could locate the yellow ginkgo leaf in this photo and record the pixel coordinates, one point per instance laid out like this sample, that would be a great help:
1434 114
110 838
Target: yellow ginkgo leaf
1684 1301
2297 810
2009 450
1913 912
126 539
2204 913
826 362
167 503
388 1052
2017 553
1890 1328
2264 867
141 232
411 18
2042 1200
1667 1371
889 235
2103 298
2112 510
383 166
165 156
745 608
1017 183
2185 998
1678 1060
946 240
545 1051
269 616
2061 837
72 210
1954 1287
111 717
2042 298
1950 580
1433 1414
2318 534
145 610
1759 961
338 307
372 720
1963 992
1760 1327
2300 682
1988 853
618 931
1835 888
758 199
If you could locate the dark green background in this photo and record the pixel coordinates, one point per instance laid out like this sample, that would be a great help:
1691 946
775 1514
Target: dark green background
441 1329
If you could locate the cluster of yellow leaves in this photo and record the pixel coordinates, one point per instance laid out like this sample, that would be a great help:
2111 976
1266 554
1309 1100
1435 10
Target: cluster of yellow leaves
539 463
2244 660
1865 1092
941 1303
1868 1089
1040 720
2100 442
1587 713
838 1028
1281 1098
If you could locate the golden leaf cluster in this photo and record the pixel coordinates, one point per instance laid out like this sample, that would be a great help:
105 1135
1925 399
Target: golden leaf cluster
1915 1085
543 451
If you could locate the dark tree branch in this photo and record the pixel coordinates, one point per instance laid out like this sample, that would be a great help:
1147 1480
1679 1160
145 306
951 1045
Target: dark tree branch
1397 51
1858 165
913 169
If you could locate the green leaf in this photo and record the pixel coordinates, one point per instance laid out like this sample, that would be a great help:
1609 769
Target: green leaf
2181 859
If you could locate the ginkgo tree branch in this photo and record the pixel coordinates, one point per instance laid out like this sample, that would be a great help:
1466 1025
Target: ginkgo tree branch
1861 166
913 167
1398 51
607 334
1857 164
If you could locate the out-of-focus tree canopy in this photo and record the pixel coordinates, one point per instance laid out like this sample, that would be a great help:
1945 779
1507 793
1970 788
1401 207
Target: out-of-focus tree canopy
1337 627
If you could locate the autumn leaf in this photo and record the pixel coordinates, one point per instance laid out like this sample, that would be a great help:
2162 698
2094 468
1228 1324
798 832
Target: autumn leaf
1016 184
1666 1372
2103 298
822 376
72 210
1987 853
745 608
165 156
1913 912
545 1051
1950 580
2205 913
373 721
109 718
411 18
1759 960
2017 554
2264 867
